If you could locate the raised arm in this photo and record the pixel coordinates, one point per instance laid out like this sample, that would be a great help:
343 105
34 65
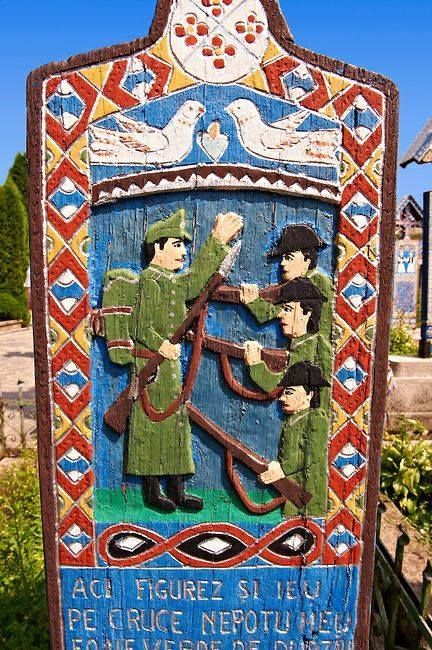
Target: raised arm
212 254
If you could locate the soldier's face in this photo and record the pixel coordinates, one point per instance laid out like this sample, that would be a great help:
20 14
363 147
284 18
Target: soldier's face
172 256
295 399
293 320
294 265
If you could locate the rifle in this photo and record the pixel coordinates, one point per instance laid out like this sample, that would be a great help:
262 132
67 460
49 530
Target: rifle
287 488
117 415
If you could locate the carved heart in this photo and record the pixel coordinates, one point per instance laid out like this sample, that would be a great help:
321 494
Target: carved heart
213 142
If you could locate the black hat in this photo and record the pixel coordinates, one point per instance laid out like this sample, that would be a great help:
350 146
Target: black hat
296 238
304 373
298 291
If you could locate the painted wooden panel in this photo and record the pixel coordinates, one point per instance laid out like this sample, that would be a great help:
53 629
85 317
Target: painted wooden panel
212 257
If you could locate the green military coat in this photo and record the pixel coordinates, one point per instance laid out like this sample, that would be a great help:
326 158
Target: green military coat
303 456
316 348
165 448
303 446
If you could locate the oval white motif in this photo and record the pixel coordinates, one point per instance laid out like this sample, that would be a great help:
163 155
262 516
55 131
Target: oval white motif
219 48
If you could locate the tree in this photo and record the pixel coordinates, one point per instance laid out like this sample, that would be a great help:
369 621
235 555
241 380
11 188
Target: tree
18 173
13 253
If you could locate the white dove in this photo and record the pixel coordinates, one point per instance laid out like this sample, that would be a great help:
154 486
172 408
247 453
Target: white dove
143 144
281 141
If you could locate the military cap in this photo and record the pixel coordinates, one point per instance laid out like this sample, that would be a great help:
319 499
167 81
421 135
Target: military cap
173 226
296 238
298 291
304 373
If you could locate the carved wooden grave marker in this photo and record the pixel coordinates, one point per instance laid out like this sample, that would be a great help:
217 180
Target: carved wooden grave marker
212 234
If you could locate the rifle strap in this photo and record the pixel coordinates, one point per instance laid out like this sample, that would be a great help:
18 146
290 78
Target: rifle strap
258 509
241 390
160 416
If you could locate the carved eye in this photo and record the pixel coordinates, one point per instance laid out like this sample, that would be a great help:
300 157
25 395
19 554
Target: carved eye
128 545
212 547
297 542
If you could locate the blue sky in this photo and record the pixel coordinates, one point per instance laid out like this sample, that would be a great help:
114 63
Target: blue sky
388 36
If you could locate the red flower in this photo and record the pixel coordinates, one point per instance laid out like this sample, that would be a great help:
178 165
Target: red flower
251 29
219 51
216 4
191 31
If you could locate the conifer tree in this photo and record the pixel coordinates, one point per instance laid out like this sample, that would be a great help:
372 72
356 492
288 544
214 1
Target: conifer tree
13 253
18 173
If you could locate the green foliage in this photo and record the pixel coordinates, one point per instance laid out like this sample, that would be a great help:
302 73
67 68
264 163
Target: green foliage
19 174
23 610
406 473
13 244
10 308
402 342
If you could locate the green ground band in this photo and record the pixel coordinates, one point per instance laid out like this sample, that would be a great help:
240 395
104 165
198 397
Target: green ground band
116 506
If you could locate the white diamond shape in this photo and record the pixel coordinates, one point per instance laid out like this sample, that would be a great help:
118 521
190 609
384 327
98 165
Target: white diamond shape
73 454
75 476
350 363
129 543
342 548
356 301
349 470
72 390
75 531
340 529
68 120
76 548
68 211
348 450
68 304
295 542
361 103
65 88
71 367
215 546
350 384
67 277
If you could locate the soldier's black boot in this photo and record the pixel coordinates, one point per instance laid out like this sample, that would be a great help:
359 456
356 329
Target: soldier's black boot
176 492
153 495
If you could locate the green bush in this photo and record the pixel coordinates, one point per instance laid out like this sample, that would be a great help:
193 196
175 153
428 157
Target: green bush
402 342
10 308
406 473
23 610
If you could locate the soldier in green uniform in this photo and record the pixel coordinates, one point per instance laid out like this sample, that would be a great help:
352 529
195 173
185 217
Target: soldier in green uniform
298 307
303 446
164 449
298 249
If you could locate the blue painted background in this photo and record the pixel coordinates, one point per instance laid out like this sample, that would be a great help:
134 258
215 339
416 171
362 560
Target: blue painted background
117 231
158 113
320 609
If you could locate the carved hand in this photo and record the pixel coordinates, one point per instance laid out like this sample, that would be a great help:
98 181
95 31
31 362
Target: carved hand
249 293
170 351
274 473
252 352
227 226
